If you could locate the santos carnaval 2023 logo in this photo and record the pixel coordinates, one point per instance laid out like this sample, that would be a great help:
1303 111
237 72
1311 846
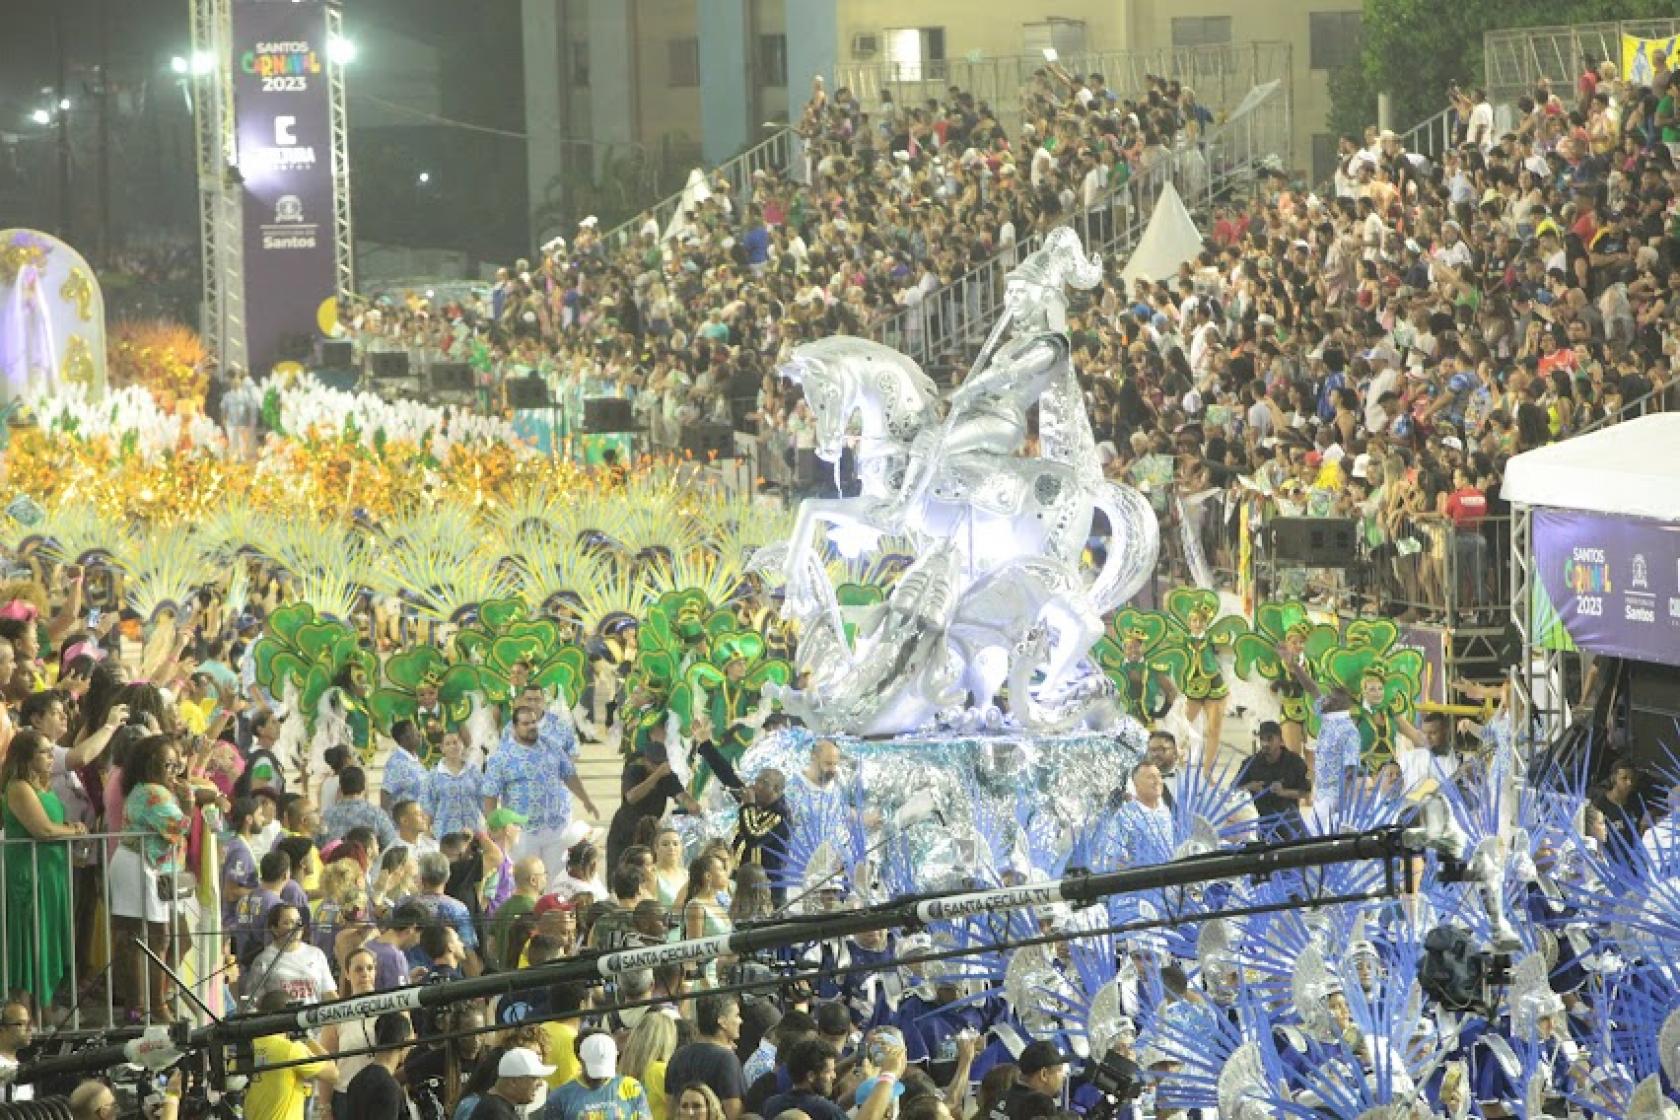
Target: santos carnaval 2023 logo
1587 573
283 67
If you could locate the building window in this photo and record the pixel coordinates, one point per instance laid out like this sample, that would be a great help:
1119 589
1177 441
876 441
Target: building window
1334 39
772 60
1201 31
580 63
916 54
684 62
1323 156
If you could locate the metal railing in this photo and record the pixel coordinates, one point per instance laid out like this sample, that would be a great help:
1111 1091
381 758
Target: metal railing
1514 59
780 151
1433 136
1220 75
85 995
1226 161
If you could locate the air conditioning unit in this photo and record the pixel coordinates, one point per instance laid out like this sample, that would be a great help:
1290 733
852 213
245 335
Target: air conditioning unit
866 45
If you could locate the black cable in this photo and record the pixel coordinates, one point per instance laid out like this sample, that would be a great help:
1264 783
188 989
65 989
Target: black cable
1387 843
817 972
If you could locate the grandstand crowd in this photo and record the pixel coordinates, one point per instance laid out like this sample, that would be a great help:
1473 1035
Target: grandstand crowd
1377 349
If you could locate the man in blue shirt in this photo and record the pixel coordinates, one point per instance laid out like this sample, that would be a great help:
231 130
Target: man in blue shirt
530 773
443 911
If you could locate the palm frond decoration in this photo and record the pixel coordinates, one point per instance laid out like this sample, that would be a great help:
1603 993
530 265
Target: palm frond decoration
440 580
328 564
444 530
742 526
234 529
75 532
715 576
555 572
615 593
163 569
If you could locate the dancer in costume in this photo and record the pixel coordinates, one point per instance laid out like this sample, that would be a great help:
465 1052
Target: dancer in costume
1144 689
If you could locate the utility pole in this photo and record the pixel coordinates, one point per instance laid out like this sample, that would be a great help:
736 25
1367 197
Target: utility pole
62 44
103 19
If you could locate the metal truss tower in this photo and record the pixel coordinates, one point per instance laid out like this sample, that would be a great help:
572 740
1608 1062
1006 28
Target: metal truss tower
344 241
221 226
221 219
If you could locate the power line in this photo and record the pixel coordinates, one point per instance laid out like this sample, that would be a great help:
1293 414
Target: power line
421 114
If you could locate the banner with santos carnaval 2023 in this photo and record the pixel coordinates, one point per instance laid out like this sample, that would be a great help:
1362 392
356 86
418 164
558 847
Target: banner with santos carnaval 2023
1607 585
283 111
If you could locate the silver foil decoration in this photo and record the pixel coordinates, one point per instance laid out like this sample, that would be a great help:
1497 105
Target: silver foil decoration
997 603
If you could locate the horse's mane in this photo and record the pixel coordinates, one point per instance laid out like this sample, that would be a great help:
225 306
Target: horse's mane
836 350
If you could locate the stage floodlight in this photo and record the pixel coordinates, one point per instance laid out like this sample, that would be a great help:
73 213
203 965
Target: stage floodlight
41 116
341 50
179 65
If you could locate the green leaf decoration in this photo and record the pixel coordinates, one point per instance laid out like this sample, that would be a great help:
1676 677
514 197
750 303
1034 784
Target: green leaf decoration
284 622
498 614
388 705
411 668
1183 601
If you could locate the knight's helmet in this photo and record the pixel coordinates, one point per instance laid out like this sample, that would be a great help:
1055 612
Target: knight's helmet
1034 288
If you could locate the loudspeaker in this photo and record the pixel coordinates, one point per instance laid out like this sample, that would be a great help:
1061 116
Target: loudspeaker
1653 693
388 364
705 441
337 353
526 393
452 377
607 414
1315 542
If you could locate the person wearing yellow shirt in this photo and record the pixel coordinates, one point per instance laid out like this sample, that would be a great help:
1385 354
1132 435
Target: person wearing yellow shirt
284 1093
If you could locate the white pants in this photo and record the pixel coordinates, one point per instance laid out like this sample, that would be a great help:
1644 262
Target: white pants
547 843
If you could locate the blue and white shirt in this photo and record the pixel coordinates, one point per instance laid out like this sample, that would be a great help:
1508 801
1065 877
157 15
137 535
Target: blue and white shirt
356 812
531 780
453 801
404 778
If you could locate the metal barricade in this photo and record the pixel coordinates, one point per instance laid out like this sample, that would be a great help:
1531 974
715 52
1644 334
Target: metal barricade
85 996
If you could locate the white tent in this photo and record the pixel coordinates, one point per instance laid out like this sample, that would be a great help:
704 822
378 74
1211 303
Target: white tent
694 192
1631 469
1171 239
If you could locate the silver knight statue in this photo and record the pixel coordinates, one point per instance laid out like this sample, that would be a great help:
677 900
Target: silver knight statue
997 598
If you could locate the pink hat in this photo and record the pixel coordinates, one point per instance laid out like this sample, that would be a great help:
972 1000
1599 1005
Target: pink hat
21 609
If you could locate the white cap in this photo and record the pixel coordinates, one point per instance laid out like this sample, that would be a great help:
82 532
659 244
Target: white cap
1362 468
599 1055
522 1062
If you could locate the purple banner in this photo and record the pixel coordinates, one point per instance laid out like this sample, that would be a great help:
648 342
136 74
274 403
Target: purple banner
1431 644
284 122
1611 583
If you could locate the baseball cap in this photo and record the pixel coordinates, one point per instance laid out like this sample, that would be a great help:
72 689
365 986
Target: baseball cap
522 1062
501 818
1361 466
599 1055
1038 1056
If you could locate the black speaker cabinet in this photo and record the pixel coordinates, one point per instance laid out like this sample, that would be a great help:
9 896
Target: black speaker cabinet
337 353
452 377
607 414
526 393
708 441
1315 542
388 364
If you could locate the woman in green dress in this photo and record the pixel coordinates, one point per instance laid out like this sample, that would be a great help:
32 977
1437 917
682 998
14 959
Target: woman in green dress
39 931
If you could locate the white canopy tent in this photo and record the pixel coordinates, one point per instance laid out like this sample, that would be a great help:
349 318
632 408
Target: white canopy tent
1631 469
1170 239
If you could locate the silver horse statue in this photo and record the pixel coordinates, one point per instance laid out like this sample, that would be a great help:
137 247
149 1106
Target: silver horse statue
1001 535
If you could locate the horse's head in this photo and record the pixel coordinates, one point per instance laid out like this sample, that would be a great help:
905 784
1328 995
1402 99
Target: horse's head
832 393
843 376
